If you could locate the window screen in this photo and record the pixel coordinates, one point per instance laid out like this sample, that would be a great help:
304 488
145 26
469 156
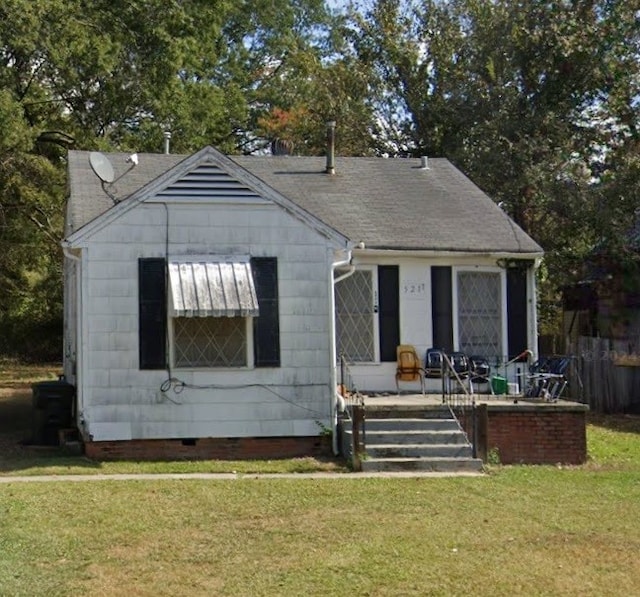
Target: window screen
354 317
480 313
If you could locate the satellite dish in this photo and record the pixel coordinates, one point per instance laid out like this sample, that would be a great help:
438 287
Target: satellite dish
101 165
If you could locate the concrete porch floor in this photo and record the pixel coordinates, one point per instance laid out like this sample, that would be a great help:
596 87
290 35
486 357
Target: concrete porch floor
432 400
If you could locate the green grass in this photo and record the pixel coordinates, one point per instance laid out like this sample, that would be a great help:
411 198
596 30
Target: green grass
612 441
522 530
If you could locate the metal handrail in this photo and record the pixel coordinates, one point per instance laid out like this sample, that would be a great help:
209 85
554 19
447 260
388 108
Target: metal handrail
448 372
457 403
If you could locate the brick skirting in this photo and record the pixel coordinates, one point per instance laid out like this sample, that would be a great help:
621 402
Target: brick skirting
243 448
531 434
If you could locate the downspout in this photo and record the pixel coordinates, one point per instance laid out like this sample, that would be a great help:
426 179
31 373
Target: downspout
533 309
333 350
78 331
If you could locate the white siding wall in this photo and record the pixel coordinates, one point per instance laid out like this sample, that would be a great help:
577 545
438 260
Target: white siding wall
122 402
415 316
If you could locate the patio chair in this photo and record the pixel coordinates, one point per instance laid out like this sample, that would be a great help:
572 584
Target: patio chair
460 370
409 366
434 363
480 370
547 378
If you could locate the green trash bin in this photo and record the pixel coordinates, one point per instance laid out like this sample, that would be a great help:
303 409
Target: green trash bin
499 384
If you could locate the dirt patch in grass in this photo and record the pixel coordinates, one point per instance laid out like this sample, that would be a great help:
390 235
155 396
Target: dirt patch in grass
16 420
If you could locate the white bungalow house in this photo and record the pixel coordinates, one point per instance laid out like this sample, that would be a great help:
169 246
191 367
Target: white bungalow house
208 296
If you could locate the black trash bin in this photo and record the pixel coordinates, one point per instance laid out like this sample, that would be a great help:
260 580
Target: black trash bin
52 410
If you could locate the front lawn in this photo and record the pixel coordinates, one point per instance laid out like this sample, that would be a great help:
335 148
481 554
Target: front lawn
521 530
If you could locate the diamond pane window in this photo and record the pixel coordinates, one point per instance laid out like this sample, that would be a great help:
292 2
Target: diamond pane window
354 317
480 313
210 341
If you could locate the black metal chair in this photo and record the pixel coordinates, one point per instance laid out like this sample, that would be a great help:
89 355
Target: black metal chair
480 370
461 373
434 363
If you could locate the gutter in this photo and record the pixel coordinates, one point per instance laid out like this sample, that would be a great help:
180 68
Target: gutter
346 262
379 252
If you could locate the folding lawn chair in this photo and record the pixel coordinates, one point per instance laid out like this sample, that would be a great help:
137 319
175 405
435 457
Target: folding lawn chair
547 378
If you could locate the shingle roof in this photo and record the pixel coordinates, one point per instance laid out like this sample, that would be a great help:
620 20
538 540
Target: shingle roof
87 197
385 203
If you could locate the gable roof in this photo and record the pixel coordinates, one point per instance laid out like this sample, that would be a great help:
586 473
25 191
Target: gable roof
206 175
396 204
386 203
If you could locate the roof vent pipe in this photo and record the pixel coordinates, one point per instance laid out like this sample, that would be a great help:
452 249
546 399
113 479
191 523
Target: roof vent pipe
331 146
167 138
424 162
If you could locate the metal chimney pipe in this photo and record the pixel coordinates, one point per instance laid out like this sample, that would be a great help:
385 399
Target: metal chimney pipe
424 162
167 138
331 147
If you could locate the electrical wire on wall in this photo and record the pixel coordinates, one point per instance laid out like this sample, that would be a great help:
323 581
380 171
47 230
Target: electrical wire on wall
167 357
177 386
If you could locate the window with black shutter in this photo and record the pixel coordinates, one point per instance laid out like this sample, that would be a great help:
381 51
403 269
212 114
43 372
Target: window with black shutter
152 323
517 311
442 307
266 327
388 311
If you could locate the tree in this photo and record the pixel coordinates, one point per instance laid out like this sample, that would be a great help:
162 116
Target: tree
112 74
507 90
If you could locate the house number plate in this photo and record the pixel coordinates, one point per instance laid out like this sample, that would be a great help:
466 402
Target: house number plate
414 288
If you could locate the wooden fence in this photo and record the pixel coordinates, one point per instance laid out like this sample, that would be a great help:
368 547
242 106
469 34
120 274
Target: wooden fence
605 374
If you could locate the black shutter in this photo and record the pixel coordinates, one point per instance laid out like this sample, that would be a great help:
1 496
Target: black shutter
266 327
442 307
152 323
516 311
388 311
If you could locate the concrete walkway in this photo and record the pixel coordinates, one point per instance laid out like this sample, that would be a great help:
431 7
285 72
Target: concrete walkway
229 476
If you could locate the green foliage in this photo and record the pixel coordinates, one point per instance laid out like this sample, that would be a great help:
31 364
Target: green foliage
114 75
493 457
536 101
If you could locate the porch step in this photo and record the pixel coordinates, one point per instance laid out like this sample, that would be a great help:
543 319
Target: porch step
452 437
434 442
442 465
411 424
452 450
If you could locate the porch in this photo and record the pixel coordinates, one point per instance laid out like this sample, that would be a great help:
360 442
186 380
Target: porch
505 429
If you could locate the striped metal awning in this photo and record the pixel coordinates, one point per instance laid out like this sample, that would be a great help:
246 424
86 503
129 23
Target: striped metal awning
212 289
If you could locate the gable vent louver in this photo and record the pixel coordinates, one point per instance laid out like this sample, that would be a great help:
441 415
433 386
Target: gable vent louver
210 182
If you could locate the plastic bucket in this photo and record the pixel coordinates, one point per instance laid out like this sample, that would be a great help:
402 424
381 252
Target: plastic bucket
499 384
